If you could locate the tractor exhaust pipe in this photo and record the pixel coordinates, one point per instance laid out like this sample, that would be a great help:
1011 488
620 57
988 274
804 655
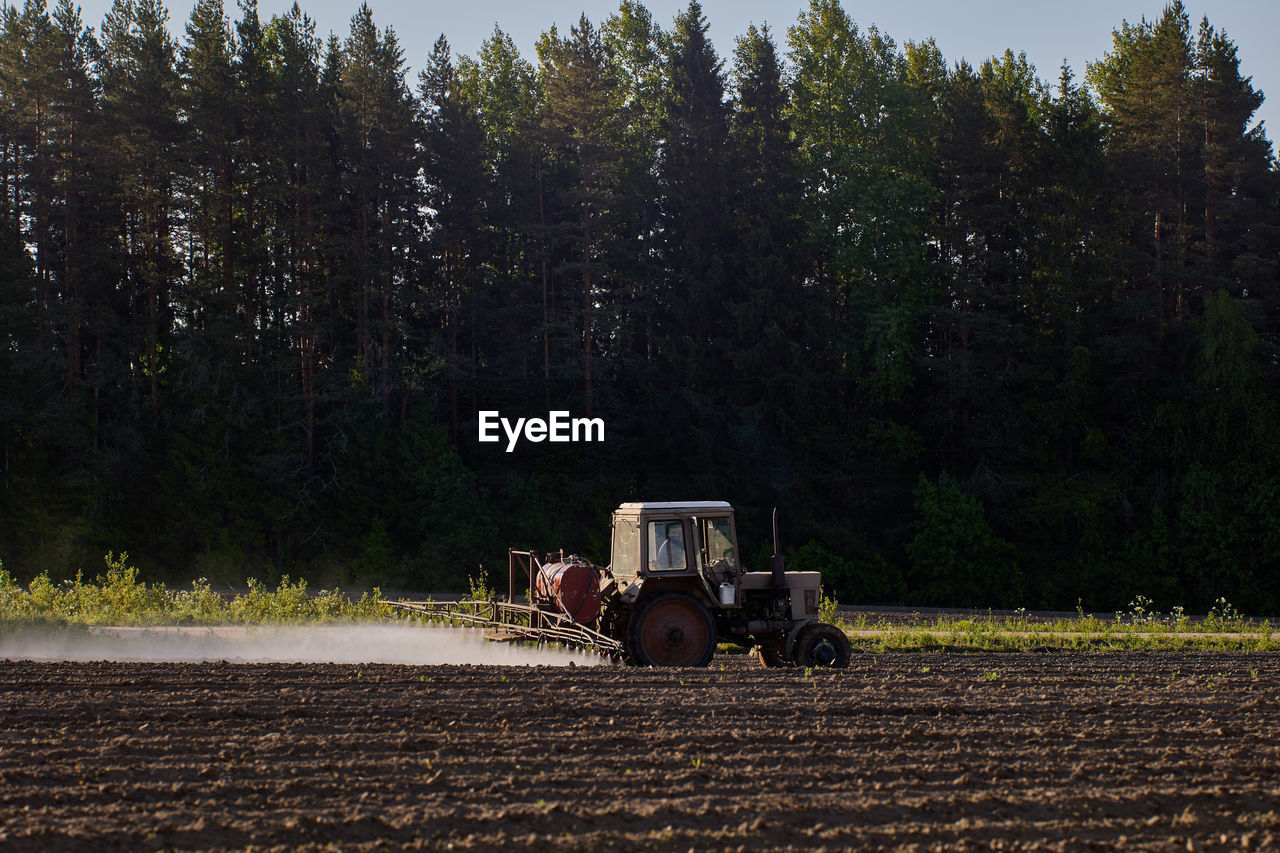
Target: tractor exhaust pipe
778 567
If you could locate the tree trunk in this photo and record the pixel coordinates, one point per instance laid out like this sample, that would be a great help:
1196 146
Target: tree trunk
586 305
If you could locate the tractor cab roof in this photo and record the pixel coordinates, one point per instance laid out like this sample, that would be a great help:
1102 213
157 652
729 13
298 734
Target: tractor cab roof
647 507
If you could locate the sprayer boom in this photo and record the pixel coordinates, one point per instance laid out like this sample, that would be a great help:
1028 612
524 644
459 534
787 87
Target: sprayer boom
513 622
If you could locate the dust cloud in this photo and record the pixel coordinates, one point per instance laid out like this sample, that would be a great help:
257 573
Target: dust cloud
415 645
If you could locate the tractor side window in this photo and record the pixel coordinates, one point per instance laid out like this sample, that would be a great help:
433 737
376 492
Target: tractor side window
717 538
626 548
666 546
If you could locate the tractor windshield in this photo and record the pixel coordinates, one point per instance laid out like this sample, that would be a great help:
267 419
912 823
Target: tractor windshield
717 538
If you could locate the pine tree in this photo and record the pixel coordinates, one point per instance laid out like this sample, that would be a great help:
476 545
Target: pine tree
501 88
259 174
1237 243
210 100
1075 274
453 143
969 216
579 127
31 115
24 469
637 48
1194 175
302 144
75 231
377 126
1145 84
140 91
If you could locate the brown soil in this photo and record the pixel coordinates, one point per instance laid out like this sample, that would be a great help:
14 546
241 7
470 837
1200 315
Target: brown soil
926 751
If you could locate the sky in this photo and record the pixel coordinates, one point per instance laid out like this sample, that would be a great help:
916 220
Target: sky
1077 31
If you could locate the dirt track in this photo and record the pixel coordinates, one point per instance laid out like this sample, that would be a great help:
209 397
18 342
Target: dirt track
931 751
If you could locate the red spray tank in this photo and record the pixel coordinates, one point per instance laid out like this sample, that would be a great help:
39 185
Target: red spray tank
574 586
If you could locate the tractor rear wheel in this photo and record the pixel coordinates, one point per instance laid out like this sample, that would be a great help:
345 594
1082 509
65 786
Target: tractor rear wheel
823 645
671 629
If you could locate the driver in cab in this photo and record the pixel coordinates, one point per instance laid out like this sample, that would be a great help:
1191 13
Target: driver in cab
671 551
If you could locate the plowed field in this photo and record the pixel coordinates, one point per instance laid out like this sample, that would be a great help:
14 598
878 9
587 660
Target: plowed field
925 751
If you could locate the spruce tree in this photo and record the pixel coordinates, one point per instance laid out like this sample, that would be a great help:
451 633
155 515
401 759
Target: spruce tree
693 174
776 332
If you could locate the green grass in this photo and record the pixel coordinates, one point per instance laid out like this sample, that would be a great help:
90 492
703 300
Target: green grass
118 597
1018 633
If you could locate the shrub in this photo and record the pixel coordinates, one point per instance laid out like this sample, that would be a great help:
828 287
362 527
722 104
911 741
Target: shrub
956 556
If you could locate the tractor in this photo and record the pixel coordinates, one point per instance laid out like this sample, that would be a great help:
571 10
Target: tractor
674 589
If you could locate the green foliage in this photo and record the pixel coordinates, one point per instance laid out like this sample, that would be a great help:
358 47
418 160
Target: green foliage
478 589
378 550
865 577
829 610
956 558
118 597
199 605
1223 616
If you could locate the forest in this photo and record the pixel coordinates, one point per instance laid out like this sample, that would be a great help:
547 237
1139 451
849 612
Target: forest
985 339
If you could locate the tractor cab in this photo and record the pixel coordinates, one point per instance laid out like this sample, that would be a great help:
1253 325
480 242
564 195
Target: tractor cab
692 542
693 545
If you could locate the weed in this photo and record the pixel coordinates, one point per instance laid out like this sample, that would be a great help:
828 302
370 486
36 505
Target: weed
1140 611
829 610
1223 615
478 588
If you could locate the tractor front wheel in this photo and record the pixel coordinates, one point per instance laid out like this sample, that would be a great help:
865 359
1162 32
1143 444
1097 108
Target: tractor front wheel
823 645
671 629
